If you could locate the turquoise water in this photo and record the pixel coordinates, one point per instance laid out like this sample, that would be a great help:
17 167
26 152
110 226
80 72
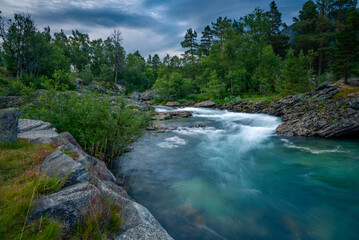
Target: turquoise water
223 175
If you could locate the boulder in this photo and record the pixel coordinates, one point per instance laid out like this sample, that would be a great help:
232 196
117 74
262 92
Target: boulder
58 164
9 121
95 166
138 221
147 95
169 115
173 104
65 205
208 103
135 96
36 131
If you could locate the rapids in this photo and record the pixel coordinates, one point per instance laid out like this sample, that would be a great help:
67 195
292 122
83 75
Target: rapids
225 175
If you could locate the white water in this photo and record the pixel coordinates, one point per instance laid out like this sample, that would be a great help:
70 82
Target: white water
225 175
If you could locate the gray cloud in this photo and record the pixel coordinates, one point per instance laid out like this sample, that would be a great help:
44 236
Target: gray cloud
149 26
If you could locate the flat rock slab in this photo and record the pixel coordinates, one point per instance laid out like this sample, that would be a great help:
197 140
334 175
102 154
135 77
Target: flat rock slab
34 129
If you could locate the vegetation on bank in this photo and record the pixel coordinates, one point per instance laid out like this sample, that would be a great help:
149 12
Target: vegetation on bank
21 183
104 127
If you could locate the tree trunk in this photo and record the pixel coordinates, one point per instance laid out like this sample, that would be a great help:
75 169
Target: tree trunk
320 64
347 66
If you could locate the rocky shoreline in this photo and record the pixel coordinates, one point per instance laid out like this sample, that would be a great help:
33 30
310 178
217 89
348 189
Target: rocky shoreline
88 181
332 110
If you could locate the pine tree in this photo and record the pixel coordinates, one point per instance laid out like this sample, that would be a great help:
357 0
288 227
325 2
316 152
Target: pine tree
347 45
278 41
206 40
191 43
289 74
220 26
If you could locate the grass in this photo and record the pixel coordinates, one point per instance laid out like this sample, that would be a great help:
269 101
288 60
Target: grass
347 92
100 220
20 184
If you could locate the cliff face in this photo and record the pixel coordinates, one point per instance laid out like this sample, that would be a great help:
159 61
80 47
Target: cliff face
332 110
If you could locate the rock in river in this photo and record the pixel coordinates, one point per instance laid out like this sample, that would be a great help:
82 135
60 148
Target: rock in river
208 103
170 115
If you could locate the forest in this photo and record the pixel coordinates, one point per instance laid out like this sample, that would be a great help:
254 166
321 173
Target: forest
255 54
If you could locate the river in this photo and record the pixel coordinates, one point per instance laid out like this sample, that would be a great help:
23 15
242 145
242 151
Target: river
225 175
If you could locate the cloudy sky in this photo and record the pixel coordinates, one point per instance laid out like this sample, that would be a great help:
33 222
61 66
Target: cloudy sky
150 26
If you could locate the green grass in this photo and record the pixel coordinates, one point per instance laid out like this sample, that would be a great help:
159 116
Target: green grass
100 220
20 184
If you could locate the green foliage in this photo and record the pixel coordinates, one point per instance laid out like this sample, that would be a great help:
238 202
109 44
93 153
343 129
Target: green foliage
296 76
267 73
172 86
86 75
99 127
60 81
215 87
135 74
233 100
20 184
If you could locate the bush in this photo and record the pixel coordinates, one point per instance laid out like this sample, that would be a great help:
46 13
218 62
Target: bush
100 128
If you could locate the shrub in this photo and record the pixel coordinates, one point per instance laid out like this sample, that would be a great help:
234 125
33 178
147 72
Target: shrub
99 127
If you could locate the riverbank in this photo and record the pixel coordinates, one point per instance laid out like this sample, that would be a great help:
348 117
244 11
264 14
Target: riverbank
332 110
81 197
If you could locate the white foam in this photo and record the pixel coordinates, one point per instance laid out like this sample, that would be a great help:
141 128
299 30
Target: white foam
289 144
172 142
197 131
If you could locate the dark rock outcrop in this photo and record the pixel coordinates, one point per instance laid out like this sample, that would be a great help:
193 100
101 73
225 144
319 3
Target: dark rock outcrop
319 113
170 115
9 120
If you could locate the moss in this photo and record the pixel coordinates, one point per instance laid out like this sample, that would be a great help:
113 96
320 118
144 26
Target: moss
347 92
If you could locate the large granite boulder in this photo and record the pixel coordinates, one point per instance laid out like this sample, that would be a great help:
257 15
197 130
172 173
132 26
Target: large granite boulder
9 119
95 166
65 205
208 103
138 221
58 164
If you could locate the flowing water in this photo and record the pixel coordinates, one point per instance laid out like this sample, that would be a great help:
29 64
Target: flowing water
224 175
